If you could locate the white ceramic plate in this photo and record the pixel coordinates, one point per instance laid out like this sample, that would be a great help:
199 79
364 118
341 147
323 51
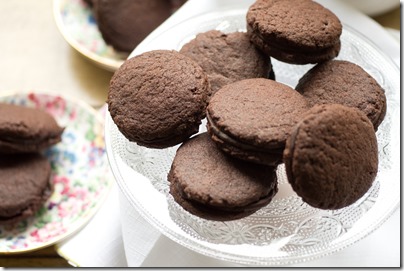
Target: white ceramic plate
287 231
75 21
80 174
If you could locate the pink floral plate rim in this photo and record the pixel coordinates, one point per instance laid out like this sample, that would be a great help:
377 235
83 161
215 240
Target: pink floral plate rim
80 174
76 23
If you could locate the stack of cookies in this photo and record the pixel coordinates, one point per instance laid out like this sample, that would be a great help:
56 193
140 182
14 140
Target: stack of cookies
323 129
24 172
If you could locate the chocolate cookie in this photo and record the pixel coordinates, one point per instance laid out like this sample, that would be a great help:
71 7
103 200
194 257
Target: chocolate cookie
331 157
125 23
159 98
212 185
252 118
24 129
294 31
345 83
227 58
24 186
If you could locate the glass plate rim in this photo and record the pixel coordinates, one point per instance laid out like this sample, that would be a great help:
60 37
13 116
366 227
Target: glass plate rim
208 251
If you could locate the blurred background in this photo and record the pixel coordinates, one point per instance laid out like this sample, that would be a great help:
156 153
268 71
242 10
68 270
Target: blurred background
35 56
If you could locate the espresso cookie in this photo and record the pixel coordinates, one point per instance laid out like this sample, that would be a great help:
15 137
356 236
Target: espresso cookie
345 83
125 23
227 58
24 186
331 157
25 129
159 98
252 118
212 185
294 31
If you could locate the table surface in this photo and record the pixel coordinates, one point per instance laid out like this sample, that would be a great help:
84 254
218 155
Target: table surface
79 74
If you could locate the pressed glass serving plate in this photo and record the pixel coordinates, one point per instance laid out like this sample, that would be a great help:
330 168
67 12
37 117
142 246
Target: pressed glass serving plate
288 230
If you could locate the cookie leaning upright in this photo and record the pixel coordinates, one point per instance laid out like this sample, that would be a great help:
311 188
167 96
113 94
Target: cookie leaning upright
331 157
294 31
159 98
25 129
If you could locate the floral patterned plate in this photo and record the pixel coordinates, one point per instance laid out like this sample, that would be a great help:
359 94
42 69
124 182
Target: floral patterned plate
80 174
75 21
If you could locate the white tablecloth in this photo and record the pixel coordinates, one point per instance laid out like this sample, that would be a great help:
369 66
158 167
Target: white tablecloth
118 236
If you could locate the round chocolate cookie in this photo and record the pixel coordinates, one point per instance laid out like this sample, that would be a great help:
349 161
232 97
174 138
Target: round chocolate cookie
294 31
212 185
227 58
331 157
24 186
252 118
125 23
25 129
345 83
159 98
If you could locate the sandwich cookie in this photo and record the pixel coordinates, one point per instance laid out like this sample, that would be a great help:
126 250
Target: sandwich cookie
214 186
159 98
294 31
125 23
331 156
251 119
24 186
343 82
26 129
227 58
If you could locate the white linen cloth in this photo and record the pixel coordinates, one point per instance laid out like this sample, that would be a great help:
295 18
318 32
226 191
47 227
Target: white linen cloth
119 237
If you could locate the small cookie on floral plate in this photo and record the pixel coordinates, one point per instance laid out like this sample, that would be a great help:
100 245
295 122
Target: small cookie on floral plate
68 167
24 186
26 130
